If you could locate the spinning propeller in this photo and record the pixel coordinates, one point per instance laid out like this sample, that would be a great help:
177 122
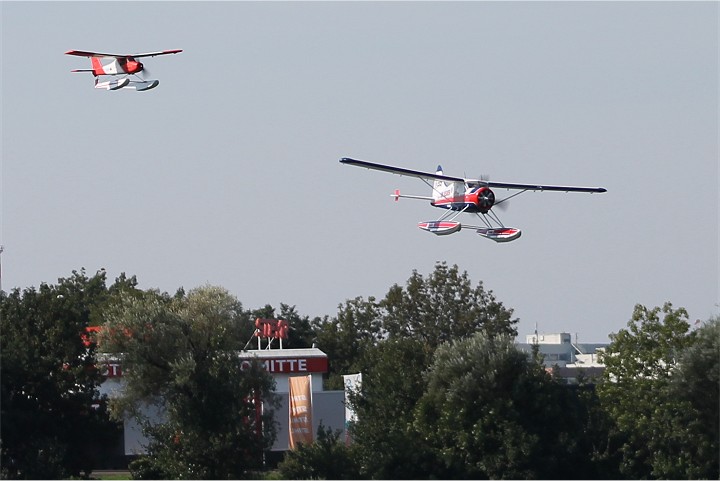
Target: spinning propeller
487 199
144 73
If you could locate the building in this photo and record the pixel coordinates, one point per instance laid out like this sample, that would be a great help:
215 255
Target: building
568 359
328 407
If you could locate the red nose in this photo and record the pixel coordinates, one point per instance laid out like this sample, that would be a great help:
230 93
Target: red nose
133 67
483 198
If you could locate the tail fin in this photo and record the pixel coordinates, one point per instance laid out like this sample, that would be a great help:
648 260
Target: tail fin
439 187
97 66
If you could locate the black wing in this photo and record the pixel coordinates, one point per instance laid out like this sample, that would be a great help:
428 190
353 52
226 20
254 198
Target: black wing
498 185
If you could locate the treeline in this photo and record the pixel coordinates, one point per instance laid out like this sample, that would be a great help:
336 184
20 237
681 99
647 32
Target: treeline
445 393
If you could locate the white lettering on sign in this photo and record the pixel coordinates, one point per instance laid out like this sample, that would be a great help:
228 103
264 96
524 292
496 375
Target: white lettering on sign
281 365
113 370
293 365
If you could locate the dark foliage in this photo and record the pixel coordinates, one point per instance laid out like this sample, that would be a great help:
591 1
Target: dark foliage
54 422
326 458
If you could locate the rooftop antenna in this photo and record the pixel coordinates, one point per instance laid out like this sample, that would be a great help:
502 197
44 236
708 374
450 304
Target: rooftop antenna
2 248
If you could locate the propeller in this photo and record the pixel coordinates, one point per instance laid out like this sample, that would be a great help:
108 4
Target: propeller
502 204
144 73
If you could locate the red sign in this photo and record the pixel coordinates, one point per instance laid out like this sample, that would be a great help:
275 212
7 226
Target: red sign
292 365
113 369
271 328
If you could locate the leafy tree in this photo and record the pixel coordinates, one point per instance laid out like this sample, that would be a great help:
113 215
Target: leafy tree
490 411
385 439
179 354
588 447
443 307
54 422
326 458
433 310
391 342
347 337
654 429
696 382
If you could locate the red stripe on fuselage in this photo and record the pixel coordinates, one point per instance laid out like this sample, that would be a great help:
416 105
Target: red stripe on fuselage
459 202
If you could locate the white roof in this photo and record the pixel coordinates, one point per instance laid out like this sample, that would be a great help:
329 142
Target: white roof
283 353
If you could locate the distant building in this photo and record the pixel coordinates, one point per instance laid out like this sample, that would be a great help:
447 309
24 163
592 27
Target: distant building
328 406
568 359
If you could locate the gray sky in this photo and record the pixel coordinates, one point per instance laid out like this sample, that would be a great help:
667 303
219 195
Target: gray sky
228 172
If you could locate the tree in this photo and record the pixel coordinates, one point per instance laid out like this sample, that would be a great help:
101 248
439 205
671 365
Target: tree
391 342
326 458
696 382
654 429
491 411
433 310
180 355
443 307
385 439
347 337
54 422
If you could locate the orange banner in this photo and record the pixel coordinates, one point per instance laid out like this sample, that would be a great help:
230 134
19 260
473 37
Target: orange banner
301 428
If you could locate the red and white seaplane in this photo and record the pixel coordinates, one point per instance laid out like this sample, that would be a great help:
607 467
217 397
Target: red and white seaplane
472 196
124 65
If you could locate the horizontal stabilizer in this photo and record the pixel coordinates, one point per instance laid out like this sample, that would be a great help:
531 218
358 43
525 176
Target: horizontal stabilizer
397 195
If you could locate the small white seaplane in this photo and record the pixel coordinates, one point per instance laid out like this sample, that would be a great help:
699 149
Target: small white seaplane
124 65
473 196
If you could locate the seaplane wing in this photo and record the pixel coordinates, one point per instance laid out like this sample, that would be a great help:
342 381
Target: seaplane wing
83 53
457 195
400 171
473 182
556 188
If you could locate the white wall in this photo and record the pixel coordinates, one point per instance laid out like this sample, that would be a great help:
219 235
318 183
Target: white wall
328 408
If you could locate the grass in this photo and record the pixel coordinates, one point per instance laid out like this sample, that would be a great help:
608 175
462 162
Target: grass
110 475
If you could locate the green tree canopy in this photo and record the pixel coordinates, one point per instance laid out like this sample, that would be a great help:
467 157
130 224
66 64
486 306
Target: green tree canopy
392 342
385 439
655 430
180 353
54 422
326 458
443 307
348 336
696 382
491 411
